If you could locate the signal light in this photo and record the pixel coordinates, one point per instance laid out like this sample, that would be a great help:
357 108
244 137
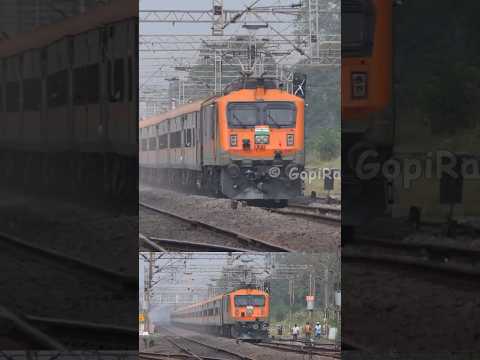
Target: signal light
290 139
233 140
359 85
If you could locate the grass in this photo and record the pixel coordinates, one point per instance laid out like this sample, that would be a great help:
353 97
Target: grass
317 184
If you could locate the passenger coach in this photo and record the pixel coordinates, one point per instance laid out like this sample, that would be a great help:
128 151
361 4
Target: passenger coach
68 108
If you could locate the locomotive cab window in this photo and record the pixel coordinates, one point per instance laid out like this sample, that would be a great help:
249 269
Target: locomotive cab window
279 114
241 115
357 27
272 113
249 300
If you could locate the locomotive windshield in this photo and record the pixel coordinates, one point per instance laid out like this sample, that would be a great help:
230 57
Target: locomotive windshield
249 300
271 113
242 115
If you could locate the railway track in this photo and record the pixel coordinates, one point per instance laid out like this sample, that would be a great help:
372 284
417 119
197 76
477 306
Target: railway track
436 257
50 333
319 212
57 334
58 257
194 349
165 245
248 243
306 349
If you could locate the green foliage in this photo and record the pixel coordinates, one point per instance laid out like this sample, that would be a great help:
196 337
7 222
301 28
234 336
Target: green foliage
325 144
448 97
438 64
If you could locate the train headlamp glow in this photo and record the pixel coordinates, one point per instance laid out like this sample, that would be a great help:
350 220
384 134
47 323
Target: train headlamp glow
290 139
261 139
359 85
233 140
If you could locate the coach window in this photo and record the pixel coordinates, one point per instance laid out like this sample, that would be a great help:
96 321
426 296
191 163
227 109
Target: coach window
176 139
92 85
79 86
13 97
57 89
152 143
163 141
32 90
144 145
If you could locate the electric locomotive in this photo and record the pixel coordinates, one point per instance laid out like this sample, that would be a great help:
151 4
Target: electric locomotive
242 313
247 144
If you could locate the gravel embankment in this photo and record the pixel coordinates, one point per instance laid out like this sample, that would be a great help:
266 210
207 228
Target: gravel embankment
298 234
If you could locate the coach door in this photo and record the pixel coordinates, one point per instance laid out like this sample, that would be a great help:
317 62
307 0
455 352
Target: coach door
198 140
116 79
87 124
13 115
32 99
131 129
2 101
58 90
208 123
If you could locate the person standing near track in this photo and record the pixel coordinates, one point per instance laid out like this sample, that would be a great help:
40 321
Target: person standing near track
295 332
308 331
318 330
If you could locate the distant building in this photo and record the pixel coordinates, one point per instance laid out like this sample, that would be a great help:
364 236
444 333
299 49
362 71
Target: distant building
18 16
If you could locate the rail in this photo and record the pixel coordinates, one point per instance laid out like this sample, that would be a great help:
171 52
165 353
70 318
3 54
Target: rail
243 238
165 245
437 257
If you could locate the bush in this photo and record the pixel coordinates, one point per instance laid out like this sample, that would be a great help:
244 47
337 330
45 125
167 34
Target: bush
325 143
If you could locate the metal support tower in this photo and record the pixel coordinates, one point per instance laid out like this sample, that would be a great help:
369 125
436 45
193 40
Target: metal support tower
218 18
313 30
218 72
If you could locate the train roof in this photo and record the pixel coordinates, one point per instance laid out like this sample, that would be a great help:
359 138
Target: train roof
180 110
219 297
46 34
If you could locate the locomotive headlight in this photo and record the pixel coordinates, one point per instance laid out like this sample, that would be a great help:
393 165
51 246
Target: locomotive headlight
261 139
233 140
290 139
255 326
359 85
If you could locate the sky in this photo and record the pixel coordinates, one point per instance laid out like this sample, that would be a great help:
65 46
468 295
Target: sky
163 65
